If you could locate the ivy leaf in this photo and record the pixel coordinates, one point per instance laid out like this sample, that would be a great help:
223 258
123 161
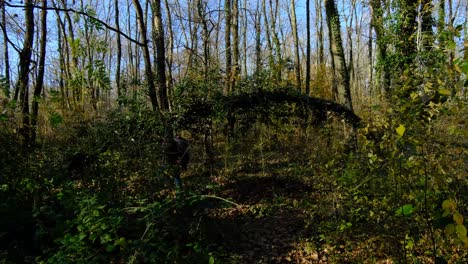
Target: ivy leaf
458 218
449 205
406 210
401 130
449 229
212 260
461 230
464 239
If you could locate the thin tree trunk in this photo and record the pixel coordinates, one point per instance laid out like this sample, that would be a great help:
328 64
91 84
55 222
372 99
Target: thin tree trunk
227 39
170 54
146 56
120 93
60 47
258 43
465 38
370 83
158 39
271 58
319 22
244 38
296 45
6 53
235 44
206 39
277 45
308 71
24 64
40 75
340 70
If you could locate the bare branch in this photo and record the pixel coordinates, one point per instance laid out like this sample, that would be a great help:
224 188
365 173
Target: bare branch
83 14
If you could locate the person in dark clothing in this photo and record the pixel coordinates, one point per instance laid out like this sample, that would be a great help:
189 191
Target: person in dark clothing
177 156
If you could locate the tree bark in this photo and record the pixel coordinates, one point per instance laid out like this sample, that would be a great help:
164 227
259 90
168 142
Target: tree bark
297 62
340 70
146 56
258 43
23 75
277 45
319 24
406 44
40 75
206 39
308 71
158 39
235 44
271 58
426 9
120 93
227 41
383 74
170 55
6 53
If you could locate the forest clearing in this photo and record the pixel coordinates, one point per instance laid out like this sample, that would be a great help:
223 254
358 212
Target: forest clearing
234 131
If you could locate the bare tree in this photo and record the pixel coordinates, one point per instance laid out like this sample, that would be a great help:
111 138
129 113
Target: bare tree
297 62
6 53
40 75
319 27
146 56
308 62
258 43
158 38
24 65
170 52
235 43
227 40
119 53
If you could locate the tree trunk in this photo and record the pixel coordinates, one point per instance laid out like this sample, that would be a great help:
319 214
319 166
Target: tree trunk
383 73
62 74
170 55
308 71
426 8
271 58
206 39
406 44
297 62
258 43
235 44
120 93
245 25
227 41
24 64
277 45
340 70
6 53
158 39
40 75
319 24
146 56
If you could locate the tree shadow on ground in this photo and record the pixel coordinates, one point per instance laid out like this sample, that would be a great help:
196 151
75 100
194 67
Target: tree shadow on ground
259 230
247 238
252 190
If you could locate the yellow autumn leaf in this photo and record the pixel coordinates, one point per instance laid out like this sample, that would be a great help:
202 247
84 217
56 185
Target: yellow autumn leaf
401 130
445 92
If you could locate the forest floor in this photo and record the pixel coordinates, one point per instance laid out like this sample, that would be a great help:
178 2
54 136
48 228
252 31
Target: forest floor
277 213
